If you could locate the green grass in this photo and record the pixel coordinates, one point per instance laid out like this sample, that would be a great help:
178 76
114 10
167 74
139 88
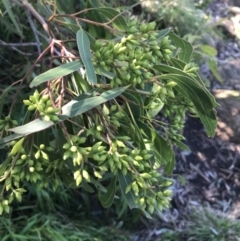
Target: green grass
203 225
56 226
72 216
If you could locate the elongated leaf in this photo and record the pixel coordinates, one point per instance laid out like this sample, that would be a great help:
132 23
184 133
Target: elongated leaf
107 74
4 141
163 32
172 70
110 14
200 98
168 169
69 181
187 49
4 166
208 50
87 187
130 197
181 145
31 127
69 110
79 107
3 97
180 65
107 198
11 15
85 53
212 64
56 73
135 106
162 149
134 131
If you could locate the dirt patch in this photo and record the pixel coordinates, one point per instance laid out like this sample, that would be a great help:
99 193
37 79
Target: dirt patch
211 170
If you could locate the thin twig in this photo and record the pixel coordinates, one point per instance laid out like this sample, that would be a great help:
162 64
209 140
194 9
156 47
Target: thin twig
18 44
28 6
14 48
21 80
34 31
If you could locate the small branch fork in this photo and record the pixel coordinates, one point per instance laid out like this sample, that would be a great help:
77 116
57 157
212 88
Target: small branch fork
56 47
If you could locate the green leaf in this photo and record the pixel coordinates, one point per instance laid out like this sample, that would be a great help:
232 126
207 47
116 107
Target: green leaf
4 141
208 50
79 107
153 112
200 98
73 108
79 84
133 130
4 166
31 127
87 187
135 107
129 197
68 180
3 97
56 73
11 15
85 53
168 169
109 13
163 32
181 145
172 70
212 64
180 65
107 198
187 49
107 74
162 149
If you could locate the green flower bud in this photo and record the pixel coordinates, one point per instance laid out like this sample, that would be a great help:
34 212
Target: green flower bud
145 175
36 95
167 51
167 193
37 154
45 98
143 28
73 149
47 118
31 107
86 175
27 102
66 146
171 84
151 26
66 155
133 29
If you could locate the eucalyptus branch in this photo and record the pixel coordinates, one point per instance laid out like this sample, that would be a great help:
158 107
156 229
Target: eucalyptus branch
12 46
41 20
21 81
18 44
34 31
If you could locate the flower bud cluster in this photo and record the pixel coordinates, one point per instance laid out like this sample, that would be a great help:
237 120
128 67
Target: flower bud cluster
7 123
43 105
131 59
